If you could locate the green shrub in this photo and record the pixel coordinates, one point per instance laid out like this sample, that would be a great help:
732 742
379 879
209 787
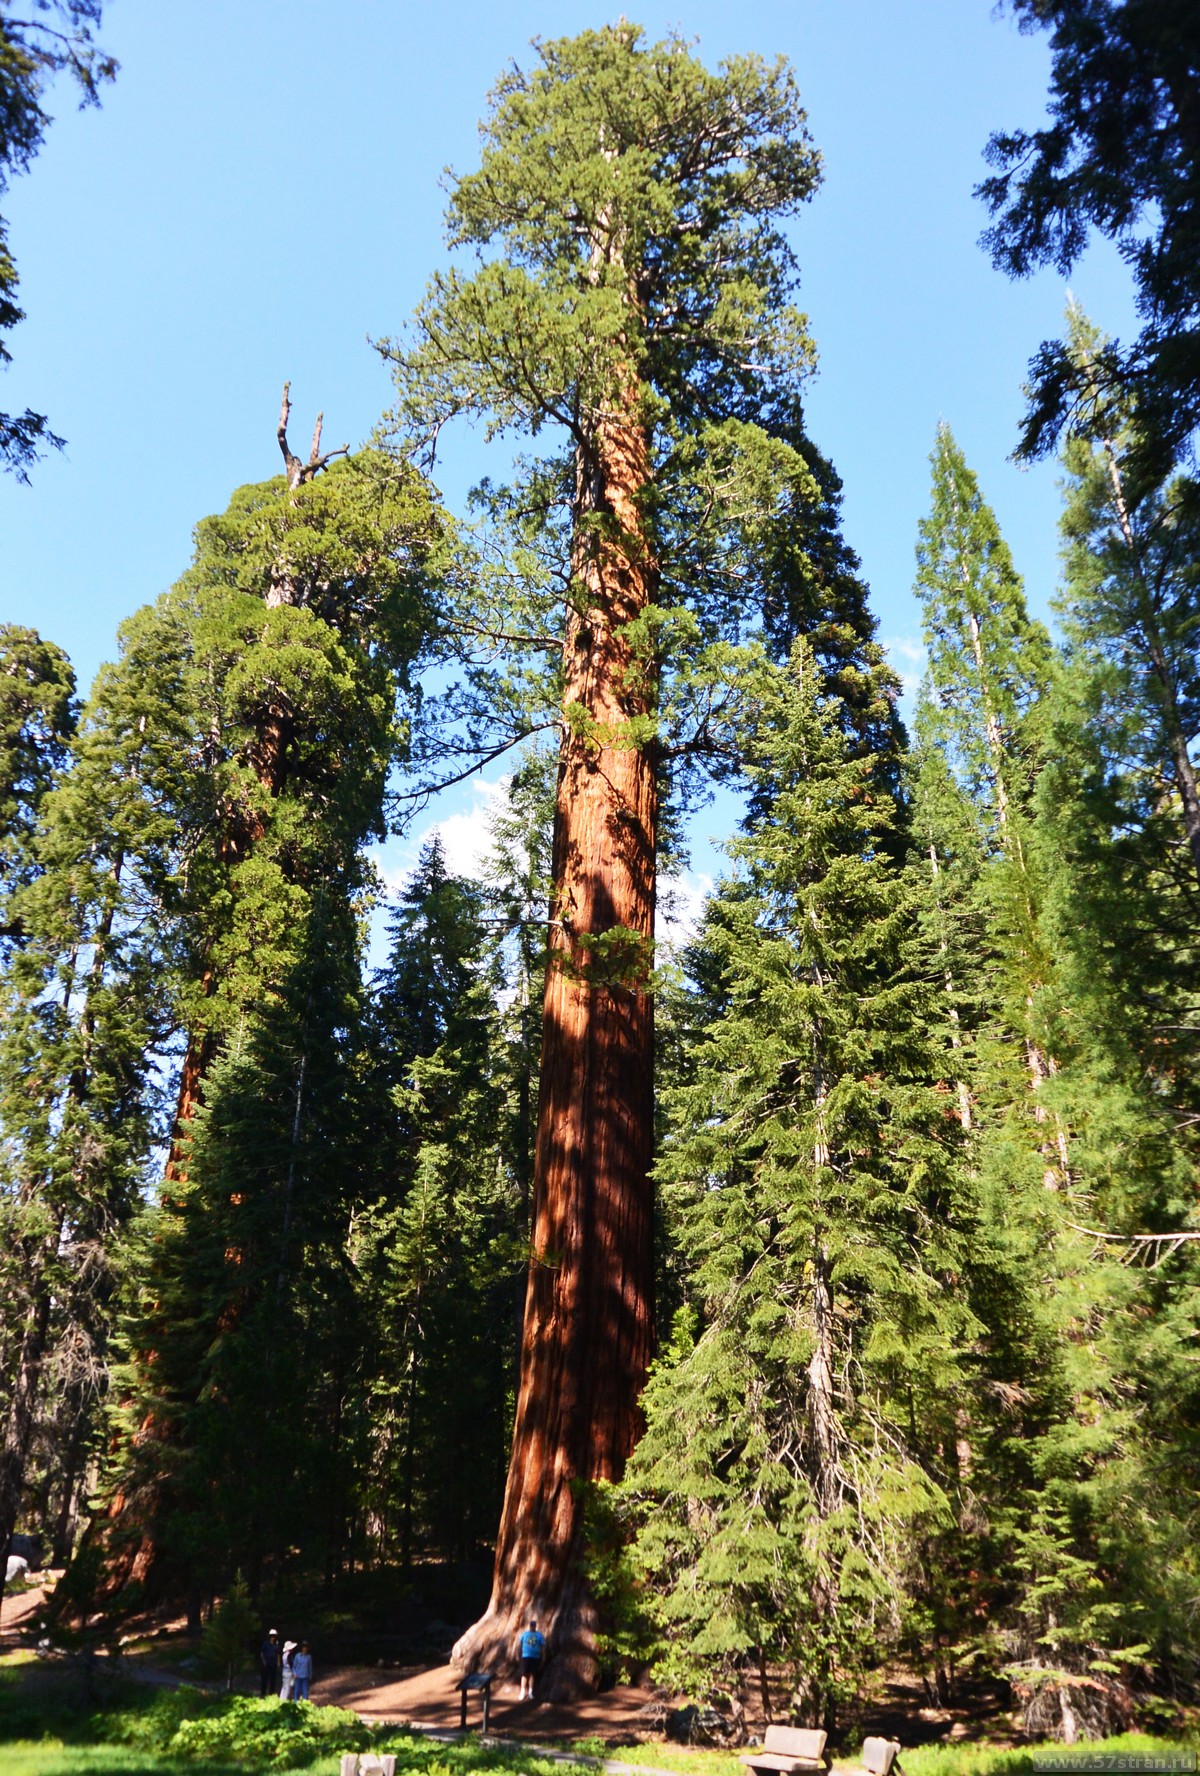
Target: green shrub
225 1640
269 1734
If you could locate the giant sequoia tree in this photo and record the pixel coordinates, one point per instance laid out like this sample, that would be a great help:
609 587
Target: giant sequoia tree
273 676
633 301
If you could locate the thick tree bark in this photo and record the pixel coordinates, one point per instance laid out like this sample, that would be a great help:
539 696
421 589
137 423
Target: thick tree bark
588 1328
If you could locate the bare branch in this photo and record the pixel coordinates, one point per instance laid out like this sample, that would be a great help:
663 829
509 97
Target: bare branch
420 797
300 473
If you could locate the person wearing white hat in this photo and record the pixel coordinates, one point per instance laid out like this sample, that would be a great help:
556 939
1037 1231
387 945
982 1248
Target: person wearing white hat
289 1678
268 1664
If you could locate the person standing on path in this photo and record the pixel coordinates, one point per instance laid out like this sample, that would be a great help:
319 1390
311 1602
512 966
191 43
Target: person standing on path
289 1678
302 1672
268 1664
533 1646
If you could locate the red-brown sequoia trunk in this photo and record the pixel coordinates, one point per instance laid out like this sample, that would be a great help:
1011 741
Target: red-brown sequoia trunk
589 1308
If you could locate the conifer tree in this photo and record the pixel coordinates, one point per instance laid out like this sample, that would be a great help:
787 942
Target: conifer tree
85 1024
1100 1582
1036 878
1132 541
283 656
440 1239
633 305
989 663
788 1466
37 719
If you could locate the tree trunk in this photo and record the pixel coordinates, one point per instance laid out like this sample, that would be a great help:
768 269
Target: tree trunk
824 1465
588 1328
22 1407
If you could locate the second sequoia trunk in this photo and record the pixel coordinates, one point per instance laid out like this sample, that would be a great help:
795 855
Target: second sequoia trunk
589 1321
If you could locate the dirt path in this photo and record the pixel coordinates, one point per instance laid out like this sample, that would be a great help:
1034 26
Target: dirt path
19 1608
429 1698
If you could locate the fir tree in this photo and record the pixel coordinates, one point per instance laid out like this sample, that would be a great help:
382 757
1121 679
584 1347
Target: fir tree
84 1027
439 1241
989 664
1132 597
788 1463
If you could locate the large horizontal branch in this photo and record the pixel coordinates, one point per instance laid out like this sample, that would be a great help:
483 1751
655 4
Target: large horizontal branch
552 643
1133 1239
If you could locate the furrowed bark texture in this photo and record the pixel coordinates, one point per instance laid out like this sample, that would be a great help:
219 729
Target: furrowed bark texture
588 1327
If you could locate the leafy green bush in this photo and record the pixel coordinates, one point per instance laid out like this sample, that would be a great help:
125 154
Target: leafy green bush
269 1734
150 1721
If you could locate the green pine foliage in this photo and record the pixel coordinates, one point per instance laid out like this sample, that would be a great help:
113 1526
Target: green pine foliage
628 217
276 673
813 1166
441 1239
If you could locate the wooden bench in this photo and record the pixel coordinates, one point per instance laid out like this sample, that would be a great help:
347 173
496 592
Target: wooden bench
789 1749
880 1757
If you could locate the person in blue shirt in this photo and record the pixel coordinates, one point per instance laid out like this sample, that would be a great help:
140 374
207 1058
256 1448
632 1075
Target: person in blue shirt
533 1645
302 1672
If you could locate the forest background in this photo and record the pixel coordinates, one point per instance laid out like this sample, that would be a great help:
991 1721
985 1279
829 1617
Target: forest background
950 986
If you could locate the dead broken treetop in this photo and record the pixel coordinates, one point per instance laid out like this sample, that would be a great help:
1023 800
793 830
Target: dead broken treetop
299 473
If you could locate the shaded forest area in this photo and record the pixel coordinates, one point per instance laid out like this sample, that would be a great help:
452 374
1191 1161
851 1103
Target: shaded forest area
821 1293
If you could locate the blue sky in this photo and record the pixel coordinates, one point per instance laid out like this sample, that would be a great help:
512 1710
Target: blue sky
260 194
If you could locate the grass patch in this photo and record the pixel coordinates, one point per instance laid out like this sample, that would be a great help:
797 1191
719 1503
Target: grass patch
696 1760
1012 1760
924 1760
94 1760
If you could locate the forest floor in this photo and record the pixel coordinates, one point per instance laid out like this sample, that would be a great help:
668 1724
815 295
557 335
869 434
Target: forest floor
425 1695
624 1716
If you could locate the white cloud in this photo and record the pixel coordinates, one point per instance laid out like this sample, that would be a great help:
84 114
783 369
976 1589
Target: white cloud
680 906
465 834
904 651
